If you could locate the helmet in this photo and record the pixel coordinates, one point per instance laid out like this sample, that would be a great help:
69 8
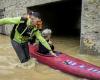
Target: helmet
36 14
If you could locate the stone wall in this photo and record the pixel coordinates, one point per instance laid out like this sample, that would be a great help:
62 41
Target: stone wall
15 8
90 27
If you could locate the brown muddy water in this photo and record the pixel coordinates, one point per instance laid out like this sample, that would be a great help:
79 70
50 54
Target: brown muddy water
9 60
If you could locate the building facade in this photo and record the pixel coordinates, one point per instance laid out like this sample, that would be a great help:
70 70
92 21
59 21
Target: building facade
14 8
90 20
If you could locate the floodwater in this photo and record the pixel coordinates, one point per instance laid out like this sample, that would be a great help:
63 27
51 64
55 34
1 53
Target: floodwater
9 60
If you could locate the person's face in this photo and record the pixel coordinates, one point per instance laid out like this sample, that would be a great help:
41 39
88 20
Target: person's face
36 21
47 37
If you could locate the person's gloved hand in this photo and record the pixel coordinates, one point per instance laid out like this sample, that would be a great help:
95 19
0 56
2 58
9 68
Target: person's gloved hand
52 53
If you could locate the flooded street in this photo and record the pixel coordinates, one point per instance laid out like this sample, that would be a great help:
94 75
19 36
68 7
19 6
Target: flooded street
9 60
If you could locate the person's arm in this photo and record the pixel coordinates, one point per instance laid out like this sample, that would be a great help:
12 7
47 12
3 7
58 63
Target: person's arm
15 20
43 41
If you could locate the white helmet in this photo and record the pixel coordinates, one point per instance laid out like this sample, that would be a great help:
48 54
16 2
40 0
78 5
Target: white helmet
46 32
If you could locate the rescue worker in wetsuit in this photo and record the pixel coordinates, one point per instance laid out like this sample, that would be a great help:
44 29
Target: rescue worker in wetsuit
25 28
